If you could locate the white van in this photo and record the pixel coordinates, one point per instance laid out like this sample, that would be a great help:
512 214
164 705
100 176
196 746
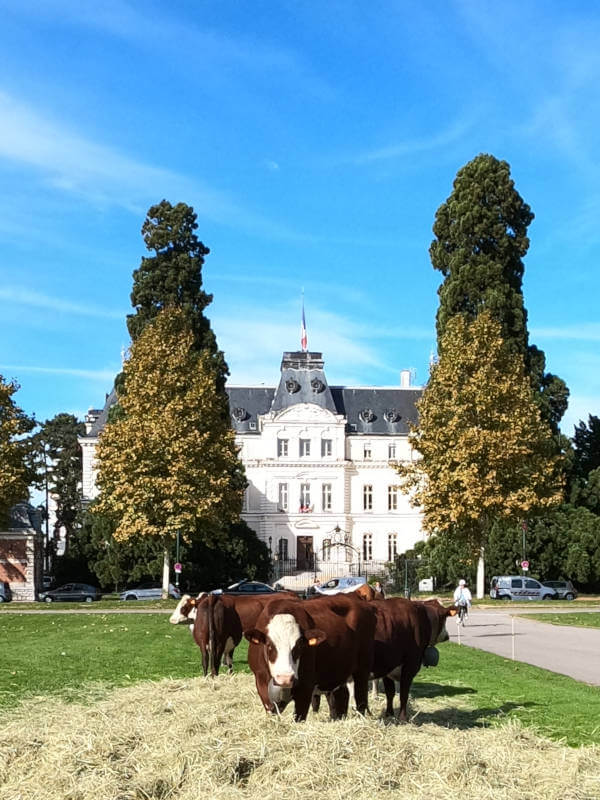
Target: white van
520 587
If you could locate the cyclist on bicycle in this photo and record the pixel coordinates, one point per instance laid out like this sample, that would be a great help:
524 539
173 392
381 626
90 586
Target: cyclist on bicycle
462 599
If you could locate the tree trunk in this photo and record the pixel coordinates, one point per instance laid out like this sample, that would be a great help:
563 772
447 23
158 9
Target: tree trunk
166 573
481 575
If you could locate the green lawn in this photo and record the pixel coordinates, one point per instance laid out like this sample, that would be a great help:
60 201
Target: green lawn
68 654
591 619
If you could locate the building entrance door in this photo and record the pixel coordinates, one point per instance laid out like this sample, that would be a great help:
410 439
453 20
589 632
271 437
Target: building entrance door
305 555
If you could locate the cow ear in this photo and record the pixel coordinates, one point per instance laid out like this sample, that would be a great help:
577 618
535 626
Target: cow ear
255 637
314 636
193 601
452 612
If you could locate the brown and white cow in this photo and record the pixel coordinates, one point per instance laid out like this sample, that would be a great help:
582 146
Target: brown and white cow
228 617
299 647
404 632
185 610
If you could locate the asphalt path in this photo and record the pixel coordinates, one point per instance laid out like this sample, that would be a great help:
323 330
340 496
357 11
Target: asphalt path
559 648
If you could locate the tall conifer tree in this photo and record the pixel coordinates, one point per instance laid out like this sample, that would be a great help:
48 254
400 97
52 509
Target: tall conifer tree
481 239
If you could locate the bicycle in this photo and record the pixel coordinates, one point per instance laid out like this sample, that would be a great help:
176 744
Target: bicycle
463 613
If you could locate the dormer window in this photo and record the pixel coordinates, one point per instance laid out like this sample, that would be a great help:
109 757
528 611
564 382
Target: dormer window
367 415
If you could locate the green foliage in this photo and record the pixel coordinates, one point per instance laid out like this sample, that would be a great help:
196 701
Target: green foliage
481 239
586 441
17 470
61 463
445 558
484 450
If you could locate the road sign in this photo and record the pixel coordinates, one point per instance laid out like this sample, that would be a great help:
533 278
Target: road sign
177 567
525 565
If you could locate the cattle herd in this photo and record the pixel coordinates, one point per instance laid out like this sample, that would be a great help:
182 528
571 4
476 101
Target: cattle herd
300 649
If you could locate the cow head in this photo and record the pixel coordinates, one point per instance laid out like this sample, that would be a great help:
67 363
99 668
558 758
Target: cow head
438 614
284 642
186 609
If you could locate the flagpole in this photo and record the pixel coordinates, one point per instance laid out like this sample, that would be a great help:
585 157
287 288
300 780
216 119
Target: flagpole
303 335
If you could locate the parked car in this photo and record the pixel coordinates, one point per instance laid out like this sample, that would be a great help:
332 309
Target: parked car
564 589
5 592
520 587
76 592
249 587
149 591
349 583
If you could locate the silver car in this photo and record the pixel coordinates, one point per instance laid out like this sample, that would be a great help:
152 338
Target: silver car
564 589
520 587
149 591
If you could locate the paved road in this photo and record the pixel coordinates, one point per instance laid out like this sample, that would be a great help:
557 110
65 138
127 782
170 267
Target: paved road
565 649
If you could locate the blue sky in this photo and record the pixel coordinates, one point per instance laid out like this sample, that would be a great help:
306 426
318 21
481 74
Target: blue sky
315 141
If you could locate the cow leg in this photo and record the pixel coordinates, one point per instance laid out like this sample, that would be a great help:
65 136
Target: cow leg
390 690
204 654
228 654
302 698
361 692
406 679
316 702
338 701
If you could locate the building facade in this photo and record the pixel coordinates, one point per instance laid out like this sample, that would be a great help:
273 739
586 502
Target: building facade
319 459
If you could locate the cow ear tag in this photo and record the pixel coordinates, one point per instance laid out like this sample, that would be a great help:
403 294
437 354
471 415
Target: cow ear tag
255 640
312 642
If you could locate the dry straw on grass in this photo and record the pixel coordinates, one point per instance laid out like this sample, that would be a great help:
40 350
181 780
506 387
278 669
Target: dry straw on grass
177 740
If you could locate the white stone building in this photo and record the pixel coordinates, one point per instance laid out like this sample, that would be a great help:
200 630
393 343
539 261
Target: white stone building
319 461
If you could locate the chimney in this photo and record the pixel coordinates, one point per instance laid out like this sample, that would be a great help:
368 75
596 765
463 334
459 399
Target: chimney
405 379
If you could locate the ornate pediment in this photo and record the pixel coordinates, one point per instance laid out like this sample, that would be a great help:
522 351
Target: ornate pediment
305 412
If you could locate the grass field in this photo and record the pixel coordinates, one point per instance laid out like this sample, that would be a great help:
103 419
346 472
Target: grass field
67 655
588 619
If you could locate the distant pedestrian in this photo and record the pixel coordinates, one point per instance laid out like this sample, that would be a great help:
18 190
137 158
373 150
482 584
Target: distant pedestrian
379 588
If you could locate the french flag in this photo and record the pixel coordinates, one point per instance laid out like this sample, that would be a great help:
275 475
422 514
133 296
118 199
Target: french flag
303 336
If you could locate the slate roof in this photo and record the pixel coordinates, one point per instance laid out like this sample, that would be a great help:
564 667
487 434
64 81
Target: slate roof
368 410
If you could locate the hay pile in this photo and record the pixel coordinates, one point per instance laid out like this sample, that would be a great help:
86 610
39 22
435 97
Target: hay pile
185 740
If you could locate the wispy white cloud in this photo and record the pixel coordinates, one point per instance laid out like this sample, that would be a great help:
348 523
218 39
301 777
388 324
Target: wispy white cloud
224 55
101 175
585 332
26 297
410 147
105 375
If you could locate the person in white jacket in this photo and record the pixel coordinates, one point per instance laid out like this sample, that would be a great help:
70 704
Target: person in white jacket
462 595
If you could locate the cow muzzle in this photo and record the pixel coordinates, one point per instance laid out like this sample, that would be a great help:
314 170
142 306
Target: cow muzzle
286 681
279 694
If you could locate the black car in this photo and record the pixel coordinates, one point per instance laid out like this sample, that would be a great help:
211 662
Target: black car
249 587
77 592
5 592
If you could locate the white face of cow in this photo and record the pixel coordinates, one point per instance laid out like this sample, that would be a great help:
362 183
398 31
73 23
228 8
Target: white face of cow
283 634
186 610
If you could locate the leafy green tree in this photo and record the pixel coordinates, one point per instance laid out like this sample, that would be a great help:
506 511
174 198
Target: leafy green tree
485 453
481 239
60 451
17 471
586 441
170 463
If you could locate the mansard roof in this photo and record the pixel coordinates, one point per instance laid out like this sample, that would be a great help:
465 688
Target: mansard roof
368 410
